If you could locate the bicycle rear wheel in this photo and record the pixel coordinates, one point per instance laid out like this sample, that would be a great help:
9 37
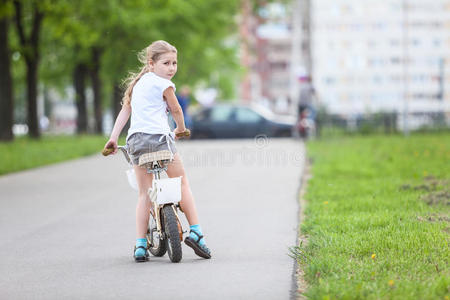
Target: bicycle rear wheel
172 230
157 244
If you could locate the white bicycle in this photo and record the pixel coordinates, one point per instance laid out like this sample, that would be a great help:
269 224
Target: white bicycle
165 231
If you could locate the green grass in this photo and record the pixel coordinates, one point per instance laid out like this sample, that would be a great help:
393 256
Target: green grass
25 153
381 196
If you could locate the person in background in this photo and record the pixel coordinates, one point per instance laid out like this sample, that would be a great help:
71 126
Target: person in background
184 101
306 113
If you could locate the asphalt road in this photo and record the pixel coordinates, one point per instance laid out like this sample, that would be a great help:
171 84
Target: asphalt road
67 230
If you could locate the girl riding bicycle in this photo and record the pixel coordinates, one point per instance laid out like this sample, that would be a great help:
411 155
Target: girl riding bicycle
148 97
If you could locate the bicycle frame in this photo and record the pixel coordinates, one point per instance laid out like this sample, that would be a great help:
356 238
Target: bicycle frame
163 192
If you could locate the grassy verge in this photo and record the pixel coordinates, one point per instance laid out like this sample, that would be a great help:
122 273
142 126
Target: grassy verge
377 218
24 153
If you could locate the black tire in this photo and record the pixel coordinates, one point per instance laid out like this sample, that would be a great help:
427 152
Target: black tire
157 246
171 228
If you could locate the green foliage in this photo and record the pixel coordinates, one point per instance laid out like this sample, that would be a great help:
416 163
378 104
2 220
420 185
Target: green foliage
120 29
378 218
6 9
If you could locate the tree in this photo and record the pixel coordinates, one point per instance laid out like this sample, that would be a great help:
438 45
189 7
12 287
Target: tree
79 82
30 51
86 43
6 89
80 29
89 17
97 88
198 29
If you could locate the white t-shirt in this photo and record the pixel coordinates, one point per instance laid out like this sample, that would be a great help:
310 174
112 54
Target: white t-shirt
148 108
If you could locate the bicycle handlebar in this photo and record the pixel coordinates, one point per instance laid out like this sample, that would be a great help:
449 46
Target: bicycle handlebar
107 151
185 133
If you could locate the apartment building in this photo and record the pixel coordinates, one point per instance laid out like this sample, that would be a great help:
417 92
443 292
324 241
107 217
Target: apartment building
267 52
381 55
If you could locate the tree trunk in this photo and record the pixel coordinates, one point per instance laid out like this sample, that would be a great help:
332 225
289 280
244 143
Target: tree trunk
6 90
97 89
32 79
30 50
79 75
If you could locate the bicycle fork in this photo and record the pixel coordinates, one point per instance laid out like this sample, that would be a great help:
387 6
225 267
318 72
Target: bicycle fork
157 210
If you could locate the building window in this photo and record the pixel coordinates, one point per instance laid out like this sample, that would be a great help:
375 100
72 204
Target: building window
329 80
394 42
437 43
278 66
415 42
395 60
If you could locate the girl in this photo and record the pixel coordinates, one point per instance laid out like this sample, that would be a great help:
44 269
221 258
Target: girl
148 96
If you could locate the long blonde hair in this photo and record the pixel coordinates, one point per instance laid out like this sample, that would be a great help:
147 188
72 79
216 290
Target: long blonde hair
151 53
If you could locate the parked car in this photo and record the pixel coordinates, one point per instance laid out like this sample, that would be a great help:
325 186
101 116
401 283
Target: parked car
239 121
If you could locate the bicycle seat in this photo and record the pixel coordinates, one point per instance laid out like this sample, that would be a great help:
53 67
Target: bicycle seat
149 158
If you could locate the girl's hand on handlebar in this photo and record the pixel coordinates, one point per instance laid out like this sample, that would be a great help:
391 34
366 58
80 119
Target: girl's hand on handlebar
110 148
182 133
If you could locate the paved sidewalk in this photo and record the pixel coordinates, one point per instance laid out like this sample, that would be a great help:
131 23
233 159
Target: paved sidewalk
67 231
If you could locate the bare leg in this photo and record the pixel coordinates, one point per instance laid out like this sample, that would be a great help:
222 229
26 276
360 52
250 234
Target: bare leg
143 206
176 169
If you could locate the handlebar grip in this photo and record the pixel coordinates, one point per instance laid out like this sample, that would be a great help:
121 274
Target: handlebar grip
185 133
107 151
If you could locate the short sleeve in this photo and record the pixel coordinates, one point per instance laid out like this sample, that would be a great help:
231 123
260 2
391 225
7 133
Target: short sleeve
164 84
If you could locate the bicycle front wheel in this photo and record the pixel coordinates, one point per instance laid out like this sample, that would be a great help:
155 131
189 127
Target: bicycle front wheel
172 230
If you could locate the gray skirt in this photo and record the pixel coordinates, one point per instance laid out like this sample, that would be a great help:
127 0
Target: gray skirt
140 143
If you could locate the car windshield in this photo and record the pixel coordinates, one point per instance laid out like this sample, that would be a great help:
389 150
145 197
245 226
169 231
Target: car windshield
221 113
245 115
